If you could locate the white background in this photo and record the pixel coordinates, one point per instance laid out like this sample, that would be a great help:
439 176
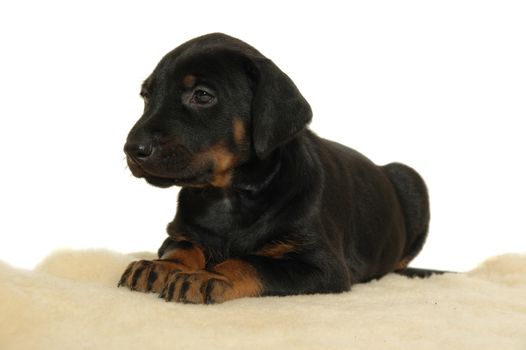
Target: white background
438 85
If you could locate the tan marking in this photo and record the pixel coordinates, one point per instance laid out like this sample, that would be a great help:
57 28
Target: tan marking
243 279
193 258
223 161
222 180
196 292
229 280
276 250
189 81
402 264
239 131
161 269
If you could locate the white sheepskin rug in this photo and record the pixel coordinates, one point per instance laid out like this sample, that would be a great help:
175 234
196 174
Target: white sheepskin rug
71 302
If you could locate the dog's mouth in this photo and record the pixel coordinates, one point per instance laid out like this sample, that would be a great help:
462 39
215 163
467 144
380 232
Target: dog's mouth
212 166
184 176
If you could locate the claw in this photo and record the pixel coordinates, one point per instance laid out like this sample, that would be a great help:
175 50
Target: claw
185 284
162 294
171 289
137 274
152 276
125 275
208 291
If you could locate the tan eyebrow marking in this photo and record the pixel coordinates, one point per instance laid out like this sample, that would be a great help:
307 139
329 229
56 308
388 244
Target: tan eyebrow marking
239 131
189 80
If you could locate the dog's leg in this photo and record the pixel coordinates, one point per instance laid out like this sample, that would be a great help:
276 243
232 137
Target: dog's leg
231 279
151 276
252 276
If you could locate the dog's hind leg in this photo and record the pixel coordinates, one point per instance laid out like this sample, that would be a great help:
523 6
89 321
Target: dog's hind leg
412 194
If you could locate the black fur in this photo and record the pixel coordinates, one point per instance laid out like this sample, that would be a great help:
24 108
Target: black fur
256 180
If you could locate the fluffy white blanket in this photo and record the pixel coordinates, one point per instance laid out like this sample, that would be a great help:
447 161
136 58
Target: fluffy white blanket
71 302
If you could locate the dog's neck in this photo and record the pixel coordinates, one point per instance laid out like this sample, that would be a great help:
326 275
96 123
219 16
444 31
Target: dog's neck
256 176
233 206
221 218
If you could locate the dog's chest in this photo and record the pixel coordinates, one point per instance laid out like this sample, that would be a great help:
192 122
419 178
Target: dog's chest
207 214
217 216
216 221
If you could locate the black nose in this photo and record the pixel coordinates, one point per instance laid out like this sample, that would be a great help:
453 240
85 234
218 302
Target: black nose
138 151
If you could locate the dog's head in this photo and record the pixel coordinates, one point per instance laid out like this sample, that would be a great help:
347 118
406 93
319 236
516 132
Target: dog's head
211 105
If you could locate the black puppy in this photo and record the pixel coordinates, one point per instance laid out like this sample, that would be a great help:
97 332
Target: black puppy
266 206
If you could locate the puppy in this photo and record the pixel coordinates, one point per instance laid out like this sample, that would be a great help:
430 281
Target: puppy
266 206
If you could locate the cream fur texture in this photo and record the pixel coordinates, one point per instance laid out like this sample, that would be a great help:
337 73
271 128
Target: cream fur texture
71 301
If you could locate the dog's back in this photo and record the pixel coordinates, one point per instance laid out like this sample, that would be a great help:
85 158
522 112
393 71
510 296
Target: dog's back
384 210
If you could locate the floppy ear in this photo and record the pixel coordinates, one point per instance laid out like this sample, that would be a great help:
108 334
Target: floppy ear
279 111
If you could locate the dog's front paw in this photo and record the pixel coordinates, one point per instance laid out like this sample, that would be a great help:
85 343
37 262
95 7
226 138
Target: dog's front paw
201 287
148 276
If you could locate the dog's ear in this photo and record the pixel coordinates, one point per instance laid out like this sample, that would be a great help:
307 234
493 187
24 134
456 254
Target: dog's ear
279 111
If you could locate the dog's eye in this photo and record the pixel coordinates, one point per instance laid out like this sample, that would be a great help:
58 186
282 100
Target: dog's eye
202 97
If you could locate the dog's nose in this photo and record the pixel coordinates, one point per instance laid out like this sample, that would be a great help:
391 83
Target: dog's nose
138 151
